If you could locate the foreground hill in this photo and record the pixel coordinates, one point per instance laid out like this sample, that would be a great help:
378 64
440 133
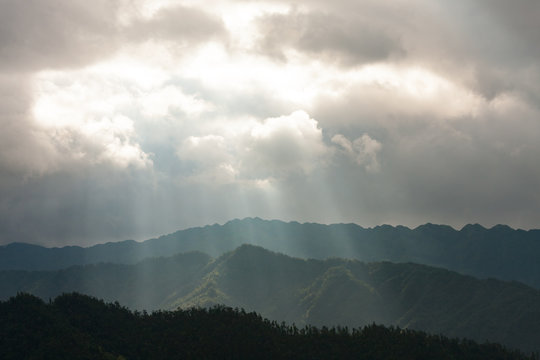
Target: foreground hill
80 327
330 292
499 252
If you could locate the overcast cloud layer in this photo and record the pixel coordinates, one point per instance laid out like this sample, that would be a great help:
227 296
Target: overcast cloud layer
129 119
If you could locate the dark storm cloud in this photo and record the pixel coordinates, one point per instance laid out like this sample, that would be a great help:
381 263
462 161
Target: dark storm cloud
504 32
22 149
487 176
494 40
37 35
178 24
327 35
488 45
474 168
442 165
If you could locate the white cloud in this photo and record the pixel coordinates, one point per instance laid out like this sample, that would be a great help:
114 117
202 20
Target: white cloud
81 115
362 150
113 141
285 144
272 149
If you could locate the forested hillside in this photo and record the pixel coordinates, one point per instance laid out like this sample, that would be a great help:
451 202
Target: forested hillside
330 292
75 326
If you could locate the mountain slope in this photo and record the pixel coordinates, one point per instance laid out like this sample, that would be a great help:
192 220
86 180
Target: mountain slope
499 252
329 292
352 293
146 285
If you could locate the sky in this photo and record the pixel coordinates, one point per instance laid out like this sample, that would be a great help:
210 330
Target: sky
129 119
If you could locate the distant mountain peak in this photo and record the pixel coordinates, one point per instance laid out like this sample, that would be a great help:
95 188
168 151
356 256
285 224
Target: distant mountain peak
250 251
250 248
473 227
502 227
246 220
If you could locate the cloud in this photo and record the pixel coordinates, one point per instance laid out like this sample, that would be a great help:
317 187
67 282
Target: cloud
37 35
272 149
56 34
160 102
124 118
83 128
487 44
362 150
326 35
285 144
23 150
178 24
387 96
52 121
98 141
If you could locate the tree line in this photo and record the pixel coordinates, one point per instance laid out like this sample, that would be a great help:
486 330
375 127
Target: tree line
76 326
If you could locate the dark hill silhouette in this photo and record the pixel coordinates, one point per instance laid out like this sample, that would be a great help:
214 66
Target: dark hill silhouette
75 326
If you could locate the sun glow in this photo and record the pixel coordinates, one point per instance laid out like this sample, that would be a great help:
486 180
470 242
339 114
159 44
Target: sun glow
413 81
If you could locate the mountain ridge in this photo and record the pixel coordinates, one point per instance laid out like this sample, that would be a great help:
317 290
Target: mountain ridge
500 252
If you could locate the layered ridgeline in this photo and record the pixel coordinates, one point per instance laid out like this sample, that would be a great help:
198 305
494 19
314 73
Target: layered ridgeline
317 292
75 326
499 252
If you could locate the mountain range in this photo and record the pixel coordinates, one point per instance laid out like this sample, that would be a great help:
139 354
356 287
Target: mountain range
317 292
499 252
